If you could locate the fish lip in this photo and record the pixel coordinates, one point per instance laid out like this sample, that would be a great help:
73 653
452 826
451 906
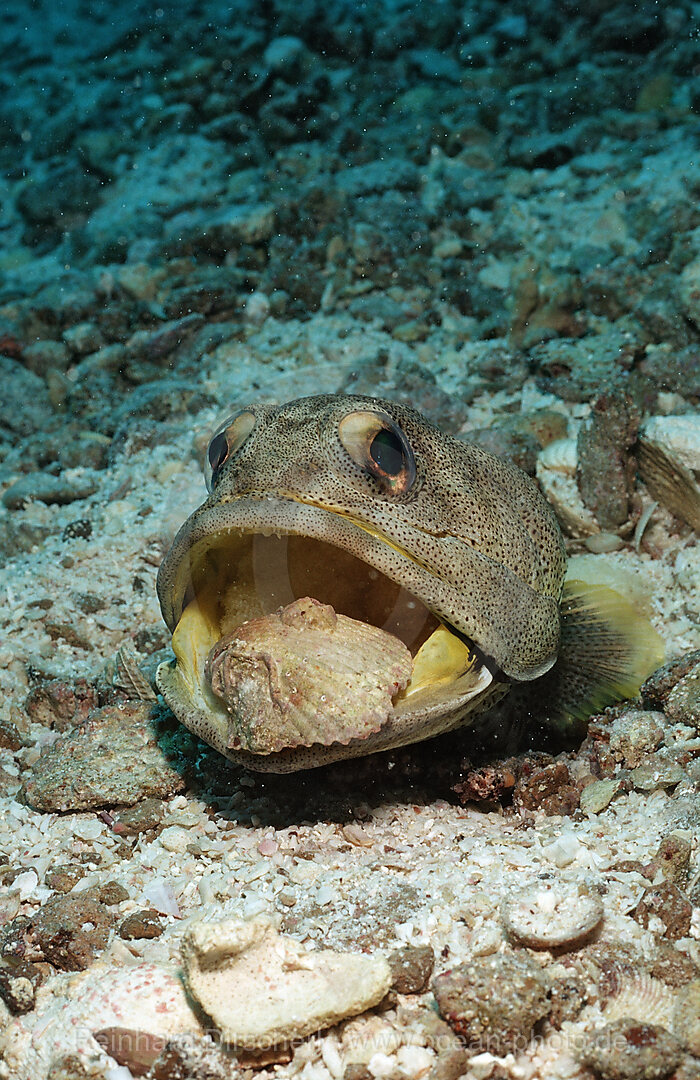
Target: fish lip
221 518
512 658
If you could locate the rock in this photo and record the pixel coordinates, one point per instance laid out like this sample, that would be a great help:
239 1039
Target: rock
667 903
62 878
686 1017
630 1050
672 860
658 772
41 356
262 989
683 703
141 924
597 796
47 488
411 968
634 735
87 768
157 344
493 1003
606 469
69 931
655 691
18 982
550 915
689 291
61 705
145 817
548 788
24 404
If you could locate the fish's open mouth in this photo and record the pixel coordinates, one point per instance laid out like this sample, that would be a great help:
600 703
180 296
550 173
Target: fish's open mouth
233 576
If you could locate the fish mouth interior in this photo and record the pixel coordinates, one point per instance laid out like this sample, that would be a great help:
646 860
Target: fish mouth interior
235 576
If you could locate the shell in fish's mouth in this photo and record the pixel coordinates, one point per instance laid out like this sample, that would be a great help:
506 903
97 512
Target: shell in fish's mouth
351 664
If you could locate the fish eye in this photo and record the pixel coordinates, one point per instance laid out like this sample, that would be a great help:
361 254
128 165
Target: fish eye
379 447
387 452
226 441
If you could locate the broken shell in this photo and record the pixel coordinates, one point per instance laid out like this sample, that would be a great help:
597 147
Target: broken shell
547 915
306 676
556 473
641 997
262 989
669 464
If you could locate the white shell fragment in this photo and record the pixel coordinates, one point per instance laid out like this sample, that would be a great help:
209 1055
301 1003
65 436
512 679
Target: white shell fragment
550 914
669 464
306 676
262 989
556 473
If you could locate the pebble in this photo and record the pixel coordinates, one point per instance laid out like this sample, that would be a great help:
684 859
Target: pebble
411 968
683 703
686 1017
141 924
657 688
86 768
597 796
667 903
662 773
549 915
630 1050
226 963
67 931
47 488
493 1003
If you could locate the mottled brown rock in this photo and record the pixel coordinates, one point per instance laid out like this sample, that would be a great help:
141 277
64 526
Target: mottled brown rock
548 788
493 1003
606 469
567 996
630 1050
144 817
18 982
62 878
111 893
656 689
485 784
10 737
61 705
112 759
70 931
411 968
667 903
683 703
672 859
141 924
673 967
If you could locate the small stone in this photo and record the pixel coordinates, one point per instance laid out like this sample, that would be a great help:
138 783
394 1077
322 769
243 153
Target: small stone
683 704
47 488
111 893
662 773
634 735
606 468
672 860
411 968
686 1017
673 967
62 878
145 817
86 769
567 997
227 963
43 355
10 738
667 903
141 924
630 1050
69 931
656 690
493 1003
18 982
597 796
548 788
549 915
